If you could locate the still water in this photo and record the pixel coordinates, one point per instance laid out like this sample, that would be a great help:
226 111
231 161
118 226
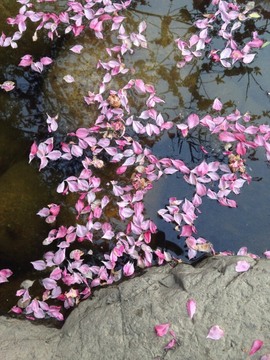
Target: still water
24 190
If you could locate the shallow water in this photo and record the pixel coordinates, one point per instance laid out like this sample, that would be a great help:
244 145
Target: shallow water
191 89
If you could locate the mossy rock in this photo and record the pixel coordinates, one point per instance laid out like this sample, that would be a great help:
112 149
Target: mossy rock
22 194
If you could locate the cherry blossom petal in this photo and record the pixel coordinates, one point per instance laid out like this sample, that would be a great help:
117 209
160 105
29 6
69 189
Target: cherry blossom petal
7 86
77 49
191 307
128 269
69 79
265 357
242 266
215 333
193 120
171 344
256 346
162 329
217 105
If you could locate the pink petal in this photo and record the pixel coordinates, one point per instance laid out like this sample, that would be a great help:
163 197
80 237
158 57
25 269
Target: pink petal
267 254
171 344
226 136
128 269
69 79
242 251
193 120
7 86
49 284
242 266
39 264
191 307
217 105
46 60
77 49
265 357
162 329
4 274
215 333
257 344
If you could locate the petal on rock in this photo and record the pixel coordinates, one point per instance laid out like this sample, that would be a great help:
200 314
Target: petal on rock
162 329
256 345
242 266
191 307
215 333
265 357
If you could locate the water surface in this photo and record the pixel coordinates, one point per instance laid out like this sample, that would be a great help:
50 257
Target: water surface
24 190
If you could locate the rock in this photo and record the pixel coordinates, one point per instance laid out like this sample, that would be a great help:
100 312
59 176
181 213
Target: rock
29 341
11 147
22 195
118 322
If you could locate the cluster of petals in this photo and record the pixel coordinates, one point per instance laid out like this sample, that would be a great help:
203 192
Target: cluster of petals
38 66
231 18
75 18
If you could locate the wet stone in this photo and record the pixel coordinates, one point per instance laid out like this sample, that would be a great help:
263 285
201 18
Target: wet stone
11 147
22 195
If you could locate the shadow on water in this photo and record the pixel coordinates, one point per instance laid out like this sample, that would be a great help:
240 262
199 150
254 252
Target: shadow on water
192 89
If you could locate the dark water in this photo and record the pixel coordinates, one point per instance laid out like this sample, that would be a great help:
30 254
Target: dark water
24 190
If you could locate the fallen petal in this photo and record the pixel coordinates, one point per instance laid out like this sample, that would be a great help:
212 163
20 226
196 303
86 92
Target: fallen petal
69 79
162 329
171 344
191 307
265 357
76 49
257 344
215 333
242 266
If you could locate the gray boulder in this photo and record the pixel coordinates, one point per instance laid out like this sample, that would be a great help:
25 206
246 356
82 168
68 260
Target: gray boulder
118 322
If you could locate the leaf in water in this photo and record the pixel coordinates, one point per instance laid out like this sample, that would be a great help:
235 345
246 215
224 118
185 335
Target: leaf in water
265 44
254 15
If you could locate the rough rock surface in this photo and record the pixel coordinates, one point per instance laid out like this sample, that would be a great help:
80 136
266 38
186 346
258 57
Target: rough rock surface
118 323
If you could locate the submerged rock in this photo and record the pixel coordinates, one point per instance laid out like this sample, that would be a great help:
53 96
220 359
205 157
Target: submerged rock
11 147
22 195
118 323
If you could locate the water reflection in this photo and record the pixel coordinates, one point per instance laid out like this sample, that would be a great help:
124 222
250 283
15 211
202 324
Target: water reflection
191 89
